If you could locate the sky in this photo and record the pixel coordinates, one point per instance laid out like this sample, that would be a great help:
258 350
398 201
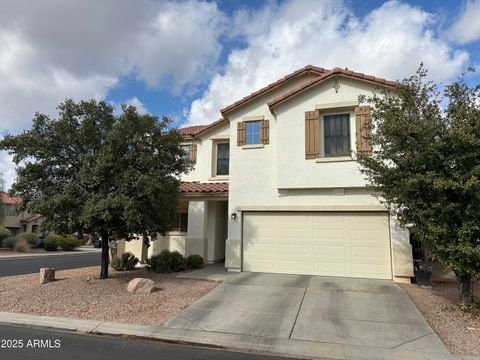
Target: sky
188 59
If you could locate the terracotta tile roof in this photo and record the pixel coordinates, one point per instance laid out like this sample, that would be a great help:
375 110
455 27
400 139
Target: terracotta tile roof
191 130
197 129
9 200
198 187
306 69
327 74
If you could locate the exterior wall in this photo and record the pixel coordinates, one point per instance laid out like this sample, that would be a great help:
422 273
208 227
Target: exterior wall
206 232
278 175
203 170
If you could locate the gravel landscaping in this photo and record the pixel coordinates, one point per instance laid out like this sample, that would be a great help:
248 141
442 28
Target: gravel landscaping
79 294
459 331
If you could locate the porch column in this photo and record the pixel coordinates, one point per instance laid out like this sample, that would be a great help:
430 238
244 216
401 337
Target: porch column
196 241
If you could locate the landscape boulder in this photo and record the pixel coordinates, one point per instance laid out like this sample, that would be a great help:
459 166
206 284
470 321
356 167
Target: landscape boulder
47 275
141 286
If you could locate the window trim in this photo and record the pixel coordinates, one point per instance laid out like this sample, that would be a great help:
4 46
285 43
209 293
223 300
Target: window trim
187 156
344 157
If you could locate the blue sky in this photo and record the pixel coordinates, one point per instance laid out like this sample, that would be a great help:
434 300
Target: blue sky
187 59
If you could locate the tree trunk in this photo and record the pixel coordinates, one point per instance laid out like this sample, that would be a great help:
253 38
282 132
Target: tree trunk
105 257
465 291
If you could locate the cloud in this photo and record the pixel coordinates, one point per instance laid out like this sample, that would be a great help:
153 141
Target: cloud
58 49
7 170
389 42
134 101
466 28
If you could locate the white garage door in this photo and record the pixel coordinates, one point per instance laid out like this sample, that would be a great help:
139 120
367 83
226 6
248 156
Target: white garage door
317 243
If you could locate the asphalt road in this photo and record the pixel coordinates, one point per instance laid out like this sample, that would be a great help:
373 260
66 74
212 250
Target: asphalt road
28 265
55 345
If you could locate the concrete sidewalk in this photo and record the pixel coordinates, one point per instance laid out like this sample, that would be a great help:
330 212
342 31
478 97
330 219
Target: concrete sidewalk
243 343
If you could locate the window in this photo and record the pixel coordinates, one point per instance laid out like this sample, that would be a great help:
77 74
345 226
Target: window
223 156
252 132
186 152
181 222
336 133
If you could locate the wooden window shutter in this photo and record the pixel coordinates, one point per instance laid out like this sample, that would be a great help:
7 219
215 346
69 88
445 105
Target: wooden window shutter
363 117
241 134
264 132
312 134
193 153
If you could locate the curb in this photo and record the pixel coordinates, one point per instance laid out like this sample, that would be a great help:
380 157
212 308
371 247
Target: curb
34 256
227 341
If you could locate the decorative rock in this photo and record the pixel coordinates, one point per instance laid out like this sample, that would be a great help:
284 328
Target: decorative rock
47 275
141 286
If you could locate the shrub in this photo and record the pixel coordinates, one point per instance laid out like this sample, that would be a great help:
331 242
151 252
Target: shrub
167 261
31 238
4 233
178 261
69 242
22 246
194 261
160 263
10 242
124 262
50 243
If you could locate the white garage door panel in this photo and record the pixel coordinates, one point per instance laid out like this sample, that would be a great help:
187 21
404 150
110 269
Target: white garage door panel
331 244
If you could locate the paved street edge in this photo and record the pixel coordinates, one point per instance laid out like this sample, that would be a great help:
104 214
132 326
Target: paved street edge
227 341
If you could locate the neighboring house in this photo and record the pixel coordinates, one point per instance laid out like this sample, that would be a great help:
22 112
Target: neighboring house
17 223
276 186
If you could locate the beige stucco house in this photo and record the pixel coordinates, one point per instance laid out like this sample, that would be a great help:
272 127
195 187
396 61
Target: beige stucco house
276 186
17 222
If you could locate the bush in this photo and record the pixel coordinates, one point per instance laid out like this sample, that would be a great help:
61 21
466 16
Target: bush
4 233
50 243
166 261
31 238
10 242
194 262
160 263
178 261
22 246
69 242
124 262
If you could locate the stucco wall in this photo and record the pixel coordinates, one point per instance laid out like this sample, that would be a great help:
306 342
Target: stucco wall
205 146
279 175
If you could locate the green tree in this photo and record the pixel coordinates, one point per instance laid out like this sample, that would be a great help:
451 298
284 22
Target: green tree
426 165
89 171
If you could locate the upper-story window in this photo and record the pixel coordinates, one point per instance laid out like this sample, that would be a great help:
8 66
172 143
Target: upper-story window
189 152
223 158
252 132
336 134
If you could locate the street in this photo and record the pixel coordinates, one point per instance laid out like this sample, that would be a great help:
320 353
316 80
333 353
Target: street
9 267
51 345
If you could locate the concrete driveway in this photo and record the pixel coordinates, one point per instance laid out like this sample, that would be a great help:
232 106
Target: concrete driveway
359 312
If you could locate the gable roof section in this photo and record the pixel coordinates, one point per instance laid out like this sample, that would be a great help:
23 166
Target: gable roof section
326 75
196 130
307 69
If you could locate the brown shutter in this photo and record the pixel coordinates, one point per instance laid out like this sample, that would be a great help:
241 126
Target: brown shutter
241 134
264 132
193 153
363 118
312 134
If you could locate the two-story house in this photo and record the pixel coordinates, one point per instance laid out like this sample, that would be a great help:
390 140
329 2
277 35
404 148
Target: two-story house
276 186
17 222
